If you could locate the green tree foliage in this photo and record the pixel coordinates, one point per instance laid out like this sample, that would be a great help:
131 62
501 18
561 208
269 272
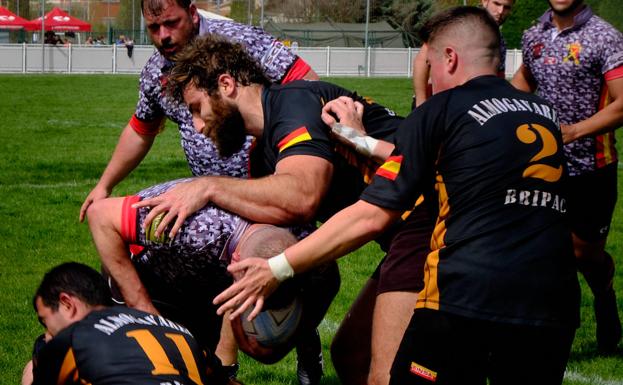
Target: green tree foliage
611 11
525 13
124 19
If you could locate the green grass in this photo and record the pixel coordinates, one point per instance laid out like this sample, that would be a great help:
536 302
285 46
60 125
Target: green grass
57 133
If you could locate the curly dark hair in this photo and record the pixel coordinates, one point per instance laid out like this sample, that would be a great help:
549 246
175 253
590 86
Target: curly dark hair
206 58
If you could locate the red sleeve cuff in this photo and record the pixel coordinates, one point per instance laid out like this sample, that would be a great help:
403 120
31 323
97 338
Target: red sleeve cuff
128 219
297 71
147 128
614 74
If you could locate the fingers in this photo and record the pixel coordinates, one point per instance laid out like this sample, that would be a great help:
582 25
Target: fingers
83 209
359 109
326 116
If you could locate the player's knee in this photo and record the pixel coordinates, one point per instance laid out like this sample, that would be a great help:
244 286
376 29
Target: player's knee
98 213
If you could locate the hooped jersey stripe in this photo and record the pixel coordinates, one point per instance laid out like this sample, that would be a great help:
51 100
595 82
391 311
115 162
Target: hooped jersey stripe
391 168
297 136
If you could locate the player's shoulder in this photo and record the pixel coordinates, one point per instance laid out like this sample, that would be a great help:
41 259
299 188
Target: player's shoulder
152 70
600 28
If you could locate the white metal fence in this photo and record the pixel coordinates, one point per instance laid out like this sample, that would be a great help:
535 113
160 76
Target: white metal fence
329 61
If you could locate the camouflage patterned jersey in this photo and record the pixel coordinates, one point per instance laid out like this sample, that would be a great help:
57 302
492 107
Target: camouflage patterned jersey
570 68
153 107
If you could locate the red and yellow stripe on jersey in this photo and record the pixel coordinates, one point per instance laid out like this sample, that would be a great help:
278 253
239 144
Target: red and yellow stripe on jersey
605 151
391 168
297 136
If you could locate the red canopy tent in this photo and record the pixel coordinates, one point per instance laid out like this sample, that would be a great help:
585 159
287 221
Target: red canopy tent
59 20
9 20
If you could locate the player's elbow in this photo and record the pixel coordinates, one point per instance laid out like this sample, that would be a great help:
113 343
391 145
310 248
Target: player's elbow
303 210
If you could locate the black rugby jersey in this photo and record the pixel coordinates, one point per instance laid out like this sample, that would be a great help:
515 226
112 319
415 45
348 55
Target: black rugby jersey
119 346
500 249
292 126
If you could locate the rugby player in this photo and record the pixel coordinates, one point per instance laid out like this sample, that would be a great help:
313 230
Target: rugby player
499 10
300 173
96 343
171 24
570 42
501 293
180 276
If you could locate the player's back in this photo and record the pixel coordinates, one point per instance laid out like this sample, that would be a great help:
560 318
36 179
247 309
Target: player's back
122 346
293 126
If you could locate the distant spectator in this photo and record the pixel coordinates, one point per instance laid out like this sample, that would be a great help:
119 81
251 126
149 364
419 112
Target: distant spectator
89 41
129 45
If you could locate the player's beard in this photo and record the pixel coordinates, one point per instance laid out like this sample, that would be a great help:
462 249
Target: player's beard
225 127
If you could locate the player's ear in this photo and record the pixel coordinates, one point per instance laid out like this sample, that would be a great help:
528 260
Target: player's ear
194 14
450 59
226 85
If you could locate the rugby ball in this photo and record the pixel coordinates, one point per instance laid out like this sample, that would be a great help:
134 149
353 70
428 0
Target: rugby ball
275 326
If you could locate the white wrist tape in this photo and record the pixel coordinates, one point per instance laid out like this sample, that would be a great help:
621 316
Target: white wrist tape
280 267
363 144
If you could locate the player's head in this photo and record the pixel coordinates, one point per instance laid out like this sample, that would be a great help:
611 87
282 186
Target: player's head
171 24
208 74
67 293
264 241
565 7
468 33
498 9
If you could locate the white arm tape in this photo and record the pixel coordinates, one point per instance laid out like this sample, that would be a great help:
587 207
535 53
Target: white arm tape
280 267
363 144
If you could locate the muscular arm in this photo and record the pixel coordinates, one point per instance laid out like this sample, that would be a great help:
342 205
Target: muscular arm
421 73
605 120
129 152
291 195
523 80
344 232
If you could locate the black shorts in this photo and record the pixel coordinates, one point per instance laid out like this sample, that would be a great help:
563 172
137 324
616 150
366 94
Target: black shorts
591 199
402 269
443 349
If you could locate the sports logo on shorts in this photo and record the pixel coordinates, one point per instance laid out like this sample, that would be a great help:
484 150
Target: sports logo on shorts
423 372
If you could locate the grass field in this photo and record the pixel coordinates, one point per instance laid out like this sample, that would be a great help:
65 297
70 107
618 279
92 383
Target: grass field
56 135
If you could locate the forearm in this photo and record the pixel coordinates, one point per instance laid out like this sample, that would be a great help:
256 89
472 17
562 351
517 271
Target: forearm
523 80
276 199
608 119
420 76
344 232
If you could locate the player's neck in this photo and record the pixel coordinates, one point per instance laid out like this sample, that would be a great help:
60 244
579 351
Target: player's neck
250 106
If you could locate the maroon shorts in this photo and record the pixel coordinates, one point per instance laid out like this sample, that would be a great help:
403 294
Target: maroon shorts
402 269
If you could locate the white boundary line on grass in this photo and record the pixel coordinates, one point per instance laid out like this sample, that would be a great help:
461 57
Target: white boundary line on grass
40 186
592 379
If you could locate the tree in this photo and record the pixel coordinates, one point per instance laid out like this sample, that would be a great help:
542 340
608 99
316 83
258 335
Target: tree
410 15
612 12
124 19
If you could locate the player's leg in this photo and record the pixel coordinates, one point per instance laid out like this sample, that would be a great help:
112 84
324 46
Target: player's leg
227 348
105 223
318 289
401 278
350 348
591 200
392 313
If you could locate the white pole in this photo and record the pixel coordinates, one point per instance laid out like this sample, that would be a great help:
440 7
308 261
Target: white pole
366 38
42 36
262 14
133 37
